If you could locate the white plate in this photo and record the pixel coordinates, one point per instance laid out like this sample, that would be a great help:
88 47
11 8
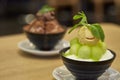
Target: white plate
61 73
28 47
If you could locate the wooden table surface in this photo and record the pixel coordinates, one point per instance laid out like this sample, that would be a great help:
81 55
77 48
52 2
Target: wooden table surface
18 65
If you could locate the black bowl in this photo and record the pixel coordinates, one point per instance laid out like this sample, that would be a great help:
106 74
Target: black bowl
44 41
84 70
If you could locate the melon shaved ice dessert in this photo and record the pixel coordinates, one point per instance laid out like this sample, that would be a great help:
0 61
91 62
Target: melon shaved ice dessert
87 58
89 43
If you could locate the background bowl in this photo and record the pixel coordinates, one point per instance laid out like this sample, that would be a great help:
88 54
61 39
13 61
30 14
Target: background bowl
84 70
44 41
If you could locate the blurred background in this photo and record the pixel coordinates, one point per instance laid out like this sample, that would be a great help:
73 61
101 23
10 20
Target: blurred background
13 13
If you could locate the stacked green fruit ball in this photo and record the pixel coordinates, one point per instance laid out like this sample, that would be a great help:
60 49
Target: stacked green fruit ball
85 51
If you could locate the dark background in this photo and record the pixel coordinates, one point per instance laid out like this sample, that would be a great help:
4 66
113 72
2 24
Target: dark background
12 14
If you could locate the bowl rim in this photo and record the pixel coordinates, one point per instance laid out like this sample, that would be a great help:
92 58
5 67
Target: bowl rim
86 62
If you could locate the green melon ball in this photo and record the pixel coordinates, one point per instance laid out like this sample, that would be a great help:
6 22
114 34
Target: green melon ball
74 41
97 52
102 45
74 48
84 52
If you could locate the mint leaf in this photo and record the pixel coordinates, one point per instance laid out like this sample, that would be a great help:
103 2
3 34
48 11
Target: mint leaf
97 31
101 32
94 31
82 22
45 9
76 17
84 18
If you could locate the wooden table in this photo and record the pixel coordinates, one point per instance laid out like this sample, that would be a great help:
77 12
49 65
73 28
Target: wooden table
18 65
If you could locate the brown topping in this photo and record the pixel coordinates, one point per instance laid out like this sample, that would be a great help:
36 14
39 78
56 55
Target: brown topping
46 16
45 24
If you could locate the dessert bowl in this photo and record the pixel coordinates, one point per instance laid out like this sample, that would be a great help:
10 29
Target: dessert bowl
44 41
86 70
44 31
87 58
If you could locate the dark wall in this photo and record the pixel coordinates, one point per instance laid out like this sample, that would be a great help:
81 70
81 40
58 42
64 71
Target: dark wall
12 13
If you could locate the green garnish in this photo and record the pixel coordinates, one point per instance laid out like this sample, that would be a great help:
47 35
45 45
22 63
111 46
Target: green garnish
96 29
45 9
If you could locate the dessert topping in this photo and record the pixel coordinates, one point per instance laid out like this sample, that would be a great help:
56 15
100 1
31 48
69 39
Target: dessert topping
45 22
95 29
89 43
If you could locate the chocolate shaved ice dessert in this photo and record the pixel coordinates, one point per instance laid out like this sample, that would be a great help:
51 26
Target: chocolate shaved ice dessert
45 23
44 31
